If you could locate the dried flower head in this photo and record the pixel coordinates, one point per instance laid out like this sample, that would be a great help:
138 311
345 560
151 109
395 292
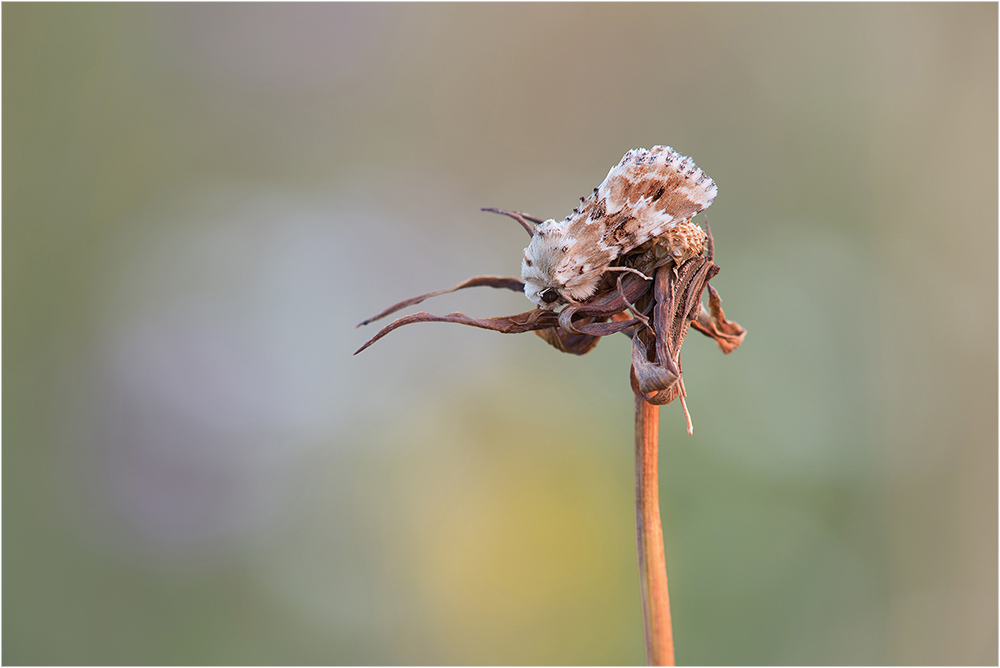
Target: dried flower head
630 259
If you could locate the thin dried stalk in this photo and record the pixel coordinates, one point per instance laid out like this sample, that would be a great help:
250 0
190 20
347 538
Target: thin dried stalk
649 538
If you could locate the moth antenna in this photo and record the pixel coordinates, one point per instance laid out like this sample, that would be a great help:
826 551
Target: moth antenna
522 218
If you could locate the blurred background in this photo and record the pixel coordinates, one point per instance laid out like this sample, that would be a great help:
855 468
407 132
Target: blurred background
201 201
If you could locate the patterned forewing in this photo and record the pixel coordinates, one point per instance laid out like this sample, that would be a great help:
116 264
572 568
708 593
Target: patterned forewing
644 195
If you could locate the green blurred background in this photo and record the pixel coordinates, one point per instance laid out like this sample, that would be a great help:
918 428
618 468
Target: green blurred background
200 202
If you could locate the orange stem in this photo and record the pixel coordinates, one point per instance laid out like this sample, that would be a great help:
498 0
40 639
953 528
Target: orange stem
649 535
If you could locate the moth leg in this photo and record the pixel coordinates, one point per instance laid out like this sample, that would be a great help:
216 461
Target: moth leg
633 310
631 271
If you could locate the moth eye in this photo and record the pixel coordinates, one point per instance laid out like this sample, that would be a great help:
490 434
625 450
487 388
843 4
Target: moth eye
549 295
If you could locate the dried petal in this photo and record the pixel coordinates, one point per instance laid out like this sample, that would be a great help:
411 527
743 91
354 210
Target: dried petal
656 376
655 383
729 335
507 282
678 298
606 303
575 344
513 324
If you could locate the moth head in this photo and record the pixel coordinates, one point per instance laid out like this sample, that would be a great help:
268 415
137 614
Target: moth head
538 268
547 297
549 279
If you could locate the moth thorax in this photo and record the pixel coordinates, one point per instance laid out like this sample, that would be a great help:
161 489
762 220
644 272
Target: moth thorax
682 241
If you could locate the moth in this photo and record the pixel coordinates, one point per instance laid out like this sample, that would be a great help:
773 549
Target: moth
649 198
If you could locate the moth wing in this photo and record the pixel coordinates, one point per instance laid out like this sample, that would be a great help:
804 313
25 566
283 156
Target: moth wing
649 192
644 195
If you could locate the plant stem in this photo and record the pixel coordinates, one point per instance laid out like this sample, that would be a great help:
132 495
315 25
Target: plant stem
649 536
